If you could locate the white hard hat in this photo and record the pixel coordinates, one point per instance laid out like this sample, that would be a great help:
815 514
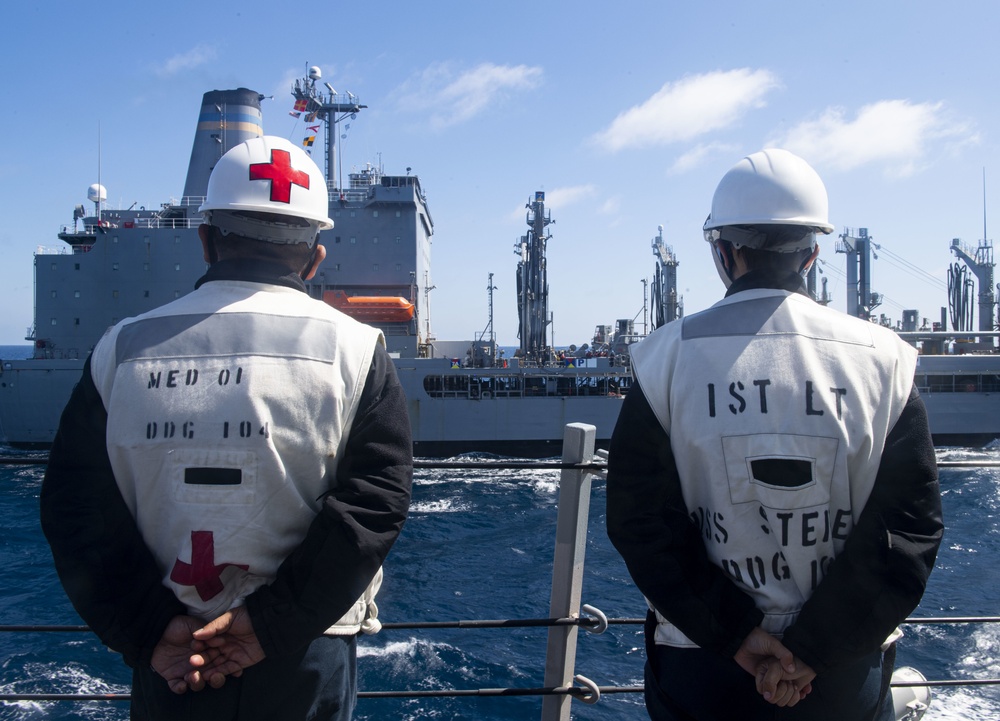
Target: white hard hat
269 189
769 188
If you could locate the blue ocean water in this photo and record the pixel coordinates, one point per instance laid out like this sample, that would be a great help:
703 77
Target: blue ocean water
479 545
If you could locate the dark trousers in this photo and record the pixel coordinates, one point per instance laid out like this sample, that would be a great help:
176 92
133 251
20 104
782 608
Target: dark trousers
319 683
698 685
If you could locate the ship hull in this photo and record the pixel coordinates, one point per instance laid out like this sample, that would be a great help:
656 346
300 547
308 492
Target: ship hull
34 392
524 424
32 396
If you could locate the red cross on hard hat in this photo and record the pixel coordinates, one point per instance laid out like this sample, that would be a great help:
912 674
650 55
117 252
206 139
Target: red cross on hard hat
269 175
281 174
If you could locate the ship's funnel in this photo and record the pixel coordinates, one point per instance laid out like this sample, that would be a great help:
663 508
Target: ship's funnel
227 118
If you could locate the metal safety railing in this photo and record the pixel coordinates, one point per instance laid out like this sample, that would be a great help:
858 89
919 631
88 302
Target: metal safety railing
567 613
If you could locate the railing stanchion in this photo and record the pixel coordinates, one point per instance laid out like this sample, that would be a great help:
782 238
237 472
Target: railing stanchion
567 566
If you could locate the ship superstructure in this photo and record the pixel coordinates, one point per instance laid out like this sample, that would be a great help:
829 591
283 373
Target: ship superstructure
380 244
118 263
122 262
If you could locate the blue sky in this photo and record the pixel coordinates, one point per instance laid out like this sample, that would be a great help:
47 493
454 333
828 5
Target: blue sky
626 114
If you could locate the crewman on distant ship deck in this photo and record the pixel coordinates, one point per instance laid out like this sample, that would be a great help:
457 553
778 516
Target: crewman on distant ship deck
772 484
233 468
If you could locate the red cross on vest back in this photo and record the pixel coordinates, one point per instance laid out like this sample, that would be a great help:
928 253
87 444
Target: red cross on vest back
281 174
202 572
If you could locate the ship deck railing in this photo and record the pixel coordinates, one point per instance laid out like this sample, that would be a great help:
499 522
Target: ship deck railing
94 231
349 195
957 382
561 381
579 465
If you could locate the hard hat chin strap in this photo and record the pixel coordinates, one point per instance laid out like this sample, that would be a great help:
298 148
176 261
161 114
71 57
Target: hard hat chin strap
307 270
210 249
722 254
810 260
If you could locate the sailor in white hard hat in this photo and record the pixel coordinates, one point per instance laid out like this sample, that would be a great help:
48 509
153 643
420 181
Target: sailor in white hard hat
771 201
772 484
246 453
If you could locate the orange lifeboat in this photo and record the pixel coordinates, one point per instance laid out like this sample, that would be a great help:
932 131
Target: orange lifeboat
371 308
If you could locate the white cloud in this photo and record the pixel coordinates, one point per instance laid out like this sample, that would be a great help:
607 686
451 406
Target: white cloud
896 133
692 106
611 206
455 98
696 155
186 61
560 198
564 197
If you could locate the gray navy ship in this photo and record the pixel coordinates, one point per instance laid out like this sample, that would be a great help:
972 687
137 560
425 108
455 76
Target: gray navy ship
463 396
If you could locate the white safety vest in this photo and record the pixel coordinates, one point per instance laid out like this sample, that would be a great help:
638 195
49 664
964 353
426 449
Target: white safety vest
228 413
777 409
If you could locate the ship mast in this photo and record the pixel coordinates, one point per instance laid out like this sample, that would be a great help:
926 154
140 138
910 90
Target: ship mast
666 304
532 283
329 108
861 301
980 262
489 323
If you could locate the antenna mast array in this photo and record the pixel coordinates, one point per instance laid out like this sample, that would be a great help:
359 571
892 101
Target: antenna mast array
861 301
326 106
980 262
666 303
532 283
489 323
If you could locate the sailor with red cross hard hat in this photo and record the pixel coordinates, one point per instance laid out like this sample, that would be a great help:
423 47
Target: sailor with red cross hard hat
268 175
233 468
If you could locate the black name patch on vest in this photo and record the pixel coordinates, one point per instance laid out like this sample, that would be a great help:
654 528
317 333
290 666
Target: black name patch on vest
213 476
782 472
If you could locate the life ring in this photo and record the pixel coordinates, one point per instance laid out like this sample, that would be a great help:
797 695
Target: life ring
487 395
